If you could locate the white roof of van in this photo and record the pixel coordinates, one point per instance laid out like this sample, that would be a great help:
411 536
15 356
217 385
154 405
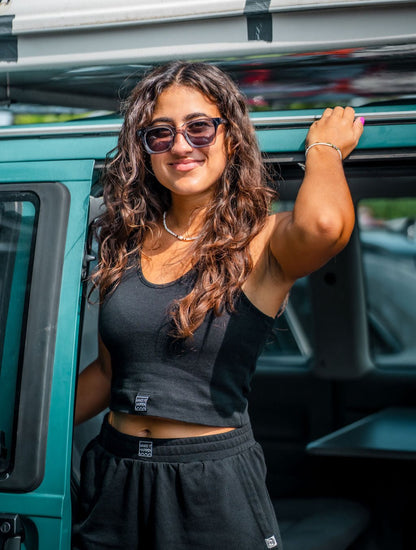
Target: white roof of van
50 15
49 33
89 53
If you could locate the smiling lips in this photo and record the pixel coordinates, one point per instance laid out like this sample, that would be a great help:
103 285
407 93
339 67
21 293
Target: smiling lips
185 165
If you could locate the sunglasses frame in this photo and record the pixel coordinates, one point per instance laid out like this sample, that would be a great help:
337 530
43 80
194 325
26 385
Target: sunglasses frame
217 121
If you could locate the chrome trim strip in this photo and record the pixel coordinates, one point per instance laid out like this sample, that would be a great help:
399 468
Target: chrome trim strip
385 116
259 122
64 130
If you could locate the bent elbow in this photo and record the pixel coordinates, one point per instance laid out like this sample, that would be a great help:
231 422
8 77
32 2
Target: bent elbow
329 227
334 230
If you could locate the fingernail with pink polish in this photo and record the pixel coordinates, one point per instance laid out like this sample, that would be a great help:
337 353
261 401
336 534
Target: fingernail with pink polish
362 120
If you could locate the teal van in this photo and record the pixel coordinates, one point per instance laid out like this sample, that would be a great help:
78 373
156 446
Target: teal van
342 357
333 401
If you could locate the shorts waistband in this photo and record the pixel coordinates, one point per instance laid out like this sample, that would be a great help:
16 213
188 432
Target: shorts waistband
188 449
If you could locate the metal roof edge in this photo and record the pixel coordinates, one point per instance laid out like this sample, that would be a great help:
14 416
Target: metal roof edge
74 129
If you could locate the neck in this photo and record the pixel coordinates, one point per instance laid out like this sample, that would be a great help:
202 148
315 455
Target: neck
186 216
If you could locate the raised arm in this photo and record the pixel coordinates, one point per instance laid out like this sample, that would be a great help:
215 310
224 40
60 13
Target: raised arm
323 216
93 390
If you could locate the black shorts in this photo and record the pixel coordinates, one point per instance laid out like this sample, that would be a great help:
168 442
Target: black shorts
199 493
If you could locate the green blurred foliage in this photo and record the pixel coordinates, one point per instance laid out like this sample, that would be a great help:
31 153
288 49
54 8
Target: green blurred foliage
30 118
388 209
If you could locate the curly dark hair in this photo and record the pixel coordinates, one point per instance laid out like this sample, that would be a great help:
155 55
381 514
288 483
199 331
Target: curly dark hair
135 200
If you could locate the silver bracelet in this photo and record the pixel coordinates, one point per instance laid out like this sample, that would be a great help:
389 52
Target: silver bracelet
324 143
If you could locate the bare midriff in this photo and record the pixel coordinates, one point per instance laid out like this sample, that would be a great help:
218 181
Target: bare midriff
156 427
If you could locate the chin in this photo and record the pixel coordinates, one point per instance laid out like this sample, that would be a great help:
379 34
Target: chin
190 188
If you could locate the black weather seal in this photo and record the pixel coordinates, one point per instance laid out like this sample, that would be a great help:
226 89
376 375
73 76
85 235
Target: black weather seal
36 368
259 20
8 42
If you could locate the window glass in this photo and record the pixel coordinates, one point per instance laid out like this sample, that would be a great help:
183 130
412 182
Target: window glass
17 229
388 244
291 337
292 330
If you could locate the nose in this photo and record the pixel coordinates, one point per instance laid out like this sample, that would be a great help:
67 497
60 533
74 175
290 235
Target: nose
180 145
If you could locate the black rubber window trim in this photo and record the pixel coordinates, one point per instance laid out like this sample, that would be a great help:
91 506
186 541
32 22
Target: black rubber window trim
33 397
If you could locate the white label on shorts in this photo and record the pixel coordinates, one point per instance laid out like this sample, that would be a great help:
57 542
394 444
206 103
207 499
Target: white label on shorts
271 542
145 449
140 403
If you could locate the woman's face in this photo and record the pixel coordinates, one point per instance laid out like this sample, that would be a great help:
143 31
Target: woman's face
186 170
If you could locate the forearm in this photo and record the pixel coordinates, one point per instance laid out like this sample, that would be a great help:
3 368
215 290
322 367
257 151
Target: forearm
323 216
93 392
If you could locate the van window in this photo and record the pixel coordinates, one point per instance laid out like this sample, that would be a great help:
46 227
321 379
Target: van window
292 330
17 231
388 245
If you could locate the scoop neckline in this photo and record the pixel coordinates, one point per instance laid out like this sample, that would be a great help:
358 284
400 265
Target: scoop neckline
187 274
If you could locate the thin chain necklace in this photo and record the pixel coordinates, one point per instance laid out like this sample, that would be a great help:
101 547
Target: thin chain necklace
180 237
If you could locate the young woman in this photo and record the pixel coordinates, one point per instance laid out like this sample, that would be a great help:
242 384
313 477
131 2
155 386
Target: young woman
193 269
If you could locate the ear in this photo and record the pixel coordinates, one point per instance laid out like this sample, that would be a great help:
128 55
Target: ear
229 148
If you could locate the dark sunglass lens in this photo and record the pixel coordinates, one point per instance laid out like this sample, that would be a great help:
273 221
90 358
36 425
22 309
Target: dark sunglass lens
201 132
159 139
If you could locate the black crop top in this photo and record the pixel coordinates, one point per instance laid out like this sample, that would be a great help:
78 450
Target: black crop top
204 380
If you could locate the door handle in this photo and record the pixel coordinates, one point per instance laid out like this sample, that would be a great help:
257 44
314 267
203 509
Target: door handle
12 533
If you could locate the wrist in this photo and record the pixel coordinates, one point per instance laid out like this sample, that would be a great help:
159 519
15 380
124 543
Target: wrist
322 145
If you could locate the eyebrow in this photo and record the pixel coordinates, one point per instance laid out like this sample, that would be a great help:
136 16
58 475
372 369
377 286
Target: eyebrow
190 116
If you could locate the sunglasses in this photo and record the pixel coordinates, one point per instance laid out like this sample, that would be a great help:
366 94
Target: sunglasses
198 133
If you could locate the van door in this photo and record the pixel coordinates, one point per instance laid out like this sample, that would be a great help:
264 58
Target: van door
43 218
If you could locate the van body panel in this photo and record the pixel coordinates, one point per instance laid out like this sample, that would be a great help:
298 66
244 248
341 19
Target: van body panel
398 134
47 505
62 149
